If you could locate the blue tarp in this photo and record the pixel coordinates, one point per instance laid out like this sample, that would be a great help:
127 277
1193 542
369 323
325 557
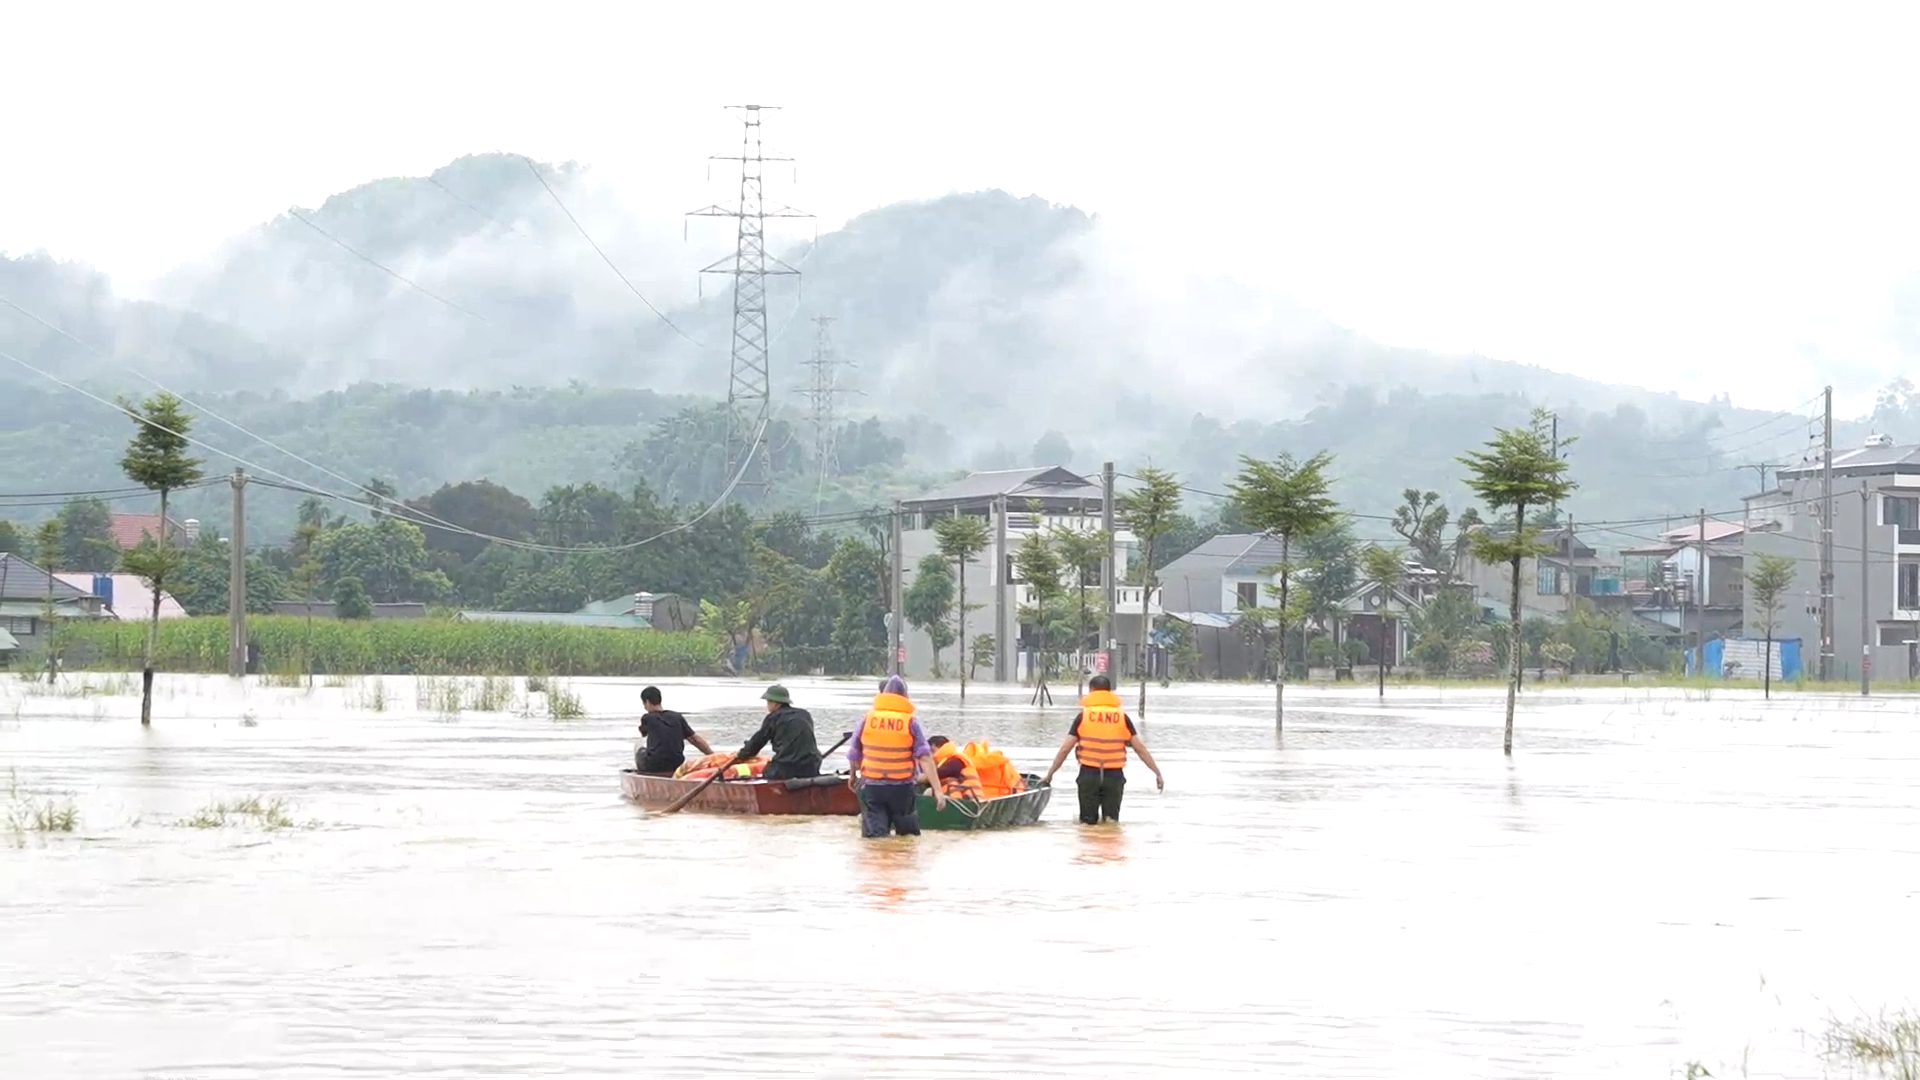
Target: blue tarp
1785 650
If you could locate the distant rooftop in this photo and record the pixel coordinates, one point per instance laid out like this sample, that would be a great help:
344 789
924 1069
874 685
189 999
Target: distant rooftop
1046 482
1868 460
1228 553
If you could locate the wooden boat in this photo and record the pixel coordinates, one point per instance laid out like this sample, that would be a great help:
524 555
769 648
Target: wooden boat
1004 812
814 796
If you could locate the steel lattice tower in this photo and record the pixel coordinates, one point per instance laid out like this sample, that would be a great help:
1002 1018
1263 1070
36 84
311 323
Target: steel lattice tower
822 391
749 400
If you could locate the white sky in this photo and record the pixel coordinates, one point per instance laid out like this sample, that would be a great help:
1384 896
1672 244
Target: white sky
1705 198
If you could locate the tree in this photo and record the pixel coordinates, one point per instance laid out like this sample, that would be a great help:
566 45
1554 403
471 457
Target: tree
1519 468
860 623
86 537
1038 563
1422 520
1287 499
350 599
1152 511
1442 628
1081 556
961 539
479 506
1053 449
982 643
1383 568
10 540
1767 584
1332 558
928 604
157 459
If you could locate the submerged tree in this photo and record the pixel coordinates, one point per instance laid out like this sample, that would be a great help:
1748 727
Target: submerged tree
1519 468
1383 569
961 539
1768 583
1286 499
157 459
928 605
1151 511
1081 555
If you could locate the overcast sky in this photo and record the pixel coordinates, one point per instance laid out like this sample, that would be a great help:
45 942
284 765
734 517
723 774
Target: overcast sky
1705 198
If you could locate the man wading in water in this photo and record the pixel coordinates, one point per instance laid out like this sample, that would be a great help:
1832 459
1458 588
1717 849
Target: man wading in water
885 753
1101 735
790 732
667 734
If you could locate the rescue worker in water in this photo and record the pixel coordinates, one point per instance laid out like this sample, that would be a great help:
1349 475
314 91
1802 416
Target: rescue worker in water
1099 739
884 756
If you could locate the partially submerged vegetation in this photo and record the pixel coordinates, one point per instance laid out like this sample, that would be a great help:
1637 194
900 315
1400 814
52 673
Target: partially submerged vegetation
431 646
25 813
253 810
1886 1045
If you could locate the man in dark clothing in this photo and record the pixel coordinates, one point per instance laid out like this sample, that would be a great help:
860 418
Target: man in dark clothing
667 734
790 732
1099 739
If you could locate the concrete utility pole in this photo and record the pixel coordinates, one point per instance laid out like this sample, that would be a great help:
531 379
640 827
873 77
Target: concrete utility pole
1826 545
1001 585
1700 598
1866 531
894 646
1108 569
237 579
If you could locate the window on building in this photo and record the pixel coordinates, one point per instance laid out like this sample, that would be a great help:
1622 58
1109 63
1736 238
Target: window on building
19 624
1910 586
1012 575
1549 580
1248 593
1901 510
1899 635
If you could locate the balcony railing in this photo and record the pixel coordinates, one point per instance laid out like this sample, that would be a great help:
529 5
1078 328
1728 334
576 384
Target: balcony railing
1910 536
1126 598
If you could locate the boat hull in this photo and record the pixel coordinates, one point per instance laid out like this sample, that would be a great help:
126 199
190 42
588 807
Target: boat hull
821 796
1005 812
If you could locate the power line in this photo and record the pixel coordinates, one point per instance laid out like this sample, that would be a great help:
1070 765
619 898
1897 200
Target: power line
603 255
376 264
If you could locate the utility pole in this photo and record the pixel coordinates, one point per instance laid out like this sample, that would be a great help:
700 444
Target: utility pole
1826 543
1700 598
822 391
237 579
1001 585
1573 579
894 646
749 401
1108 569
1866 532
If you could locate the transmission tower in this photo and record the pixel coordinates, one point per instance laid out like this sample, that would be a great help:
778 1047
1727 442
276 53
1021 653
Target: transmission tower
749 402
822 391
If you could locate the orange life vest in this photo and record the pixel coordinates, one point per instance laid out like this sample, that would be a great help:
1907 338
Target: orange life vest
967 784
1103 731
886 740
997 775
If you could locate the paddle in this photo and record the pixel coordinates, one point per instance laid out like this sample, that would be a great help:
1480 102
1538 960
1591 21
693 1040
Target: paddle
674 807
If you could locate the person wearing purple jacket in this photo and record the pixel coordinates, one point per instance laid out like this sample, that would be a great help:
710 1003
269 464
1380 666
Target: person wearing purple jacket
886 756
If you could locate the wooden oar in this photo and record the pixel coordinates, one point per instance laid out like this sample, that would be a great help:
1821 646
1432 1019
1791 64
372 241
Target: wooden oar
836 746
674 807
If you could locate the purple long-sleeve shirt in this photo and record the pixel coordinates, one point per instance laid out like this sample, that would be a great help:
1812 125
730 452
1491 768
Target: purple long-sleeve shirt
920 748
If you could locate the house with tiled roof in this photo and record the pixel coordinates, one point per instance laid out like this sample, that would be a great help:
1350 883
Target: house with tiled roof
25 592
128 530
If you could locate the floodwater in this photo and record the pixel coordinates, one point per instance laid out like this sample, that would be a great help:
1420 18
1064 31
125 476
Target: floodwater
1656 878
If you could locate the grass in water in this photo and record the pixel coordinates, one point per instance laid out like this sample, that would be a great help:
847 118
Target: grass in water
1888 1044
372 696
563 704
494 695
25 814
252 810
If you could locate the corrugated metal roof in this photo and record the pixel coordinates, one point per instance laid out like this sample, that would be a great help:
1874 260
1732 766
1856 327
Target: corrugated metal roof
21 580
1045 482
1862 459
1229 553
8 643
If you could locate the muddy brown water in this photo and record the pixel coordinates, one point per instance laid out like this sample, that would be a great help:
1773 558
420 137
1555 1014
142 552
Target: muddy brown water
1654 879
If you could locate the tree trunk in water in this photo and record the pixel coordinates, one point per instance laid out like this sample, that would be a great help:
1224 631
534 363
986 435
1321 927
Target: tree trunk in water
1383 655
1146 631
153 628
960 655
1513 650
1766 665
1280 673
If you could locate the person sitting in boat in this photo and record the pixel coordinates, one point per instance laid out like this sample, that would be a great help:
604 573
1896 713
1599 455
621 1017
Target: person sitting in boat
789 731
958 777
885 754
667 734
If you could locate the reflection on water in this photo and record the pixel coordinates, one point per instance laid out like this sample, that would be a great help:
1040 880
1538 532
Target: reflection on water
1654 879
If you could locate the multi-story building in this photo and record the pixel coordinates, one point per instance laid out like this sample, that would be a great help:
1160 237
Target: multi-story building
1876 557
1014 504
